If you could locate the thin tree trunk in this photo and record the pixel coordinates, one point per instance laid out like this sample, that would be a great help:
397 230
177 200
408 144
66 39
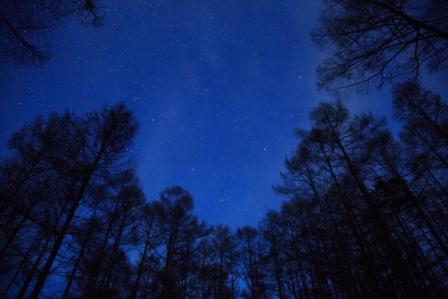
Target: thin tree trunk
134 291
36 263
61 235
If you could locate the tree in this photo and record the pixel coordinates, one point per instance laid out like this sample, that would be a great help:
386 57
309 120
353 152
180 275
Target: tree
366 214
217 271
101 140
425 118
149 240
351 205
252 261
103 252
180 230
26 175
378 41
25 26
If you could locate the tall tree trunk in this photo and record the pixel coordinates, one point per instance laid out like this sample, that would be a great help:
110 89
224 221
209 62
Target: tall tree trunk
36 263
134 291
61 235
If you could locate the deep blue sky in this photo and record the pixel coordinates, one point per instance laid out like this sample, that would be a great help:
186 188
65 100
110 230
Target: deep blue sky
217 87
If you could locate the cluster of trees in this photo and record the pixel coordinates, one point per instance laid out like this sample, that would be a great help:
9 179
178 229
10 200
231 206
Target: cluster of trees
367 214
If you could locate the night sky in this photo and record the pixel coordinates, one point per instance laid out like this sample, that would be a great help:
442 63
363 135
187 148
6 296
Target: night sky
217 87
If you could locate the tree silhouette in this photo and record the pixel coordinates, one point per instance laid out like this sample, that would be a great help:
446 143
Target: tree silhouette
179 230
365 216
346 181
378 41
25 26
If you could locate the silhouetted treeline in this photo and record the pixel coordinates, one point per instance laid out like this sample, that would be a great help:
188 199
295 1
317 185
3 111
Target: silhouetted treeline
367 214
368 211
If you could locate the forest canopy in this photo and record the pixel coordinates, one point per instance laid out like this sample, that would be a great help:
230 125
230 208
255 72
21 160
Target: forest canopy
365 210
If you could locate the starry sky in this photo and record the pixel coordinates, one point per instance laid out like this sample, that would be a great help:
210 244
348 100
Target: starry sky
217 87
